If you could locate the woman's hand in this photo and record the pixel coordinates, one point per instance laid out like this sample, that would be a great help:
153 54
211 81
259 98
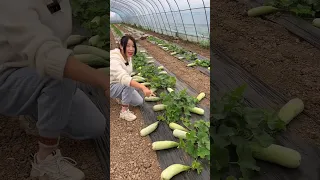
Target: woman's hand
147 92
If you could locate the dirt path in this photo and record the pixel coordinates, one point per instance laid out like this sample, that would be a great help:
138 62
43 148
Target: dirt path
16 148
200 82
271 53
131 156
185 44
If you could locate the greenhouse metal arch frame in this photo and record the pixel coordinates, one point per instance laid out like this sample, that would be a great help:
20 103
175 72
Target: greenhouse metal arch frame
159 16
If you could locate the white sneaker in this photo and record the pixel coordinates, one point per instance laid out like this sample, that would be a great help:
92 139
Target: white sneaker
128 115
56 167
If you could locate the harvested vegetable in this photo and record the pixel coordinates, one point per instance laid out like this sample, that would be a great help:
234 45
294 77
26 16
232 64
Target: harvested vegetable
161 145
160 67
201 96
197 110
75 40
191 64
316 22
173 170
146 84
261 10
163 72
91 60
85 49
173 53
152 99
179 134
290 110
279 155
150 62
149 129
159 107
174 126
94 40
170 90
105 70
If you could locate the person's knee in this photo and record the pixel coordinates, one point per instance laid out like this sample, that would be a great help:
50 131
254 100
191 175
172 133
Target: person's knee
92 130
138 101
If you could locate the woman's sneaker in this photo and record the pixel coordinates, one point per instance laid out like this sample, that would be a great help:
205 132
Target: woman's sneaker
128 115
56 167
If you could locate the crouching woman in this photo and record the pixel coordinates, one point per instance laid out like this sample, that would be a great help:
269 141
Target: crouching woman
122 86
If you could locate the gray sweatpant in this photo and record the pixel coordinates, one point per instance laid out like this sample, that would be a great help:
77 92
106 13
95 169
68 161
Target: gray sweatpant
58 106
128 95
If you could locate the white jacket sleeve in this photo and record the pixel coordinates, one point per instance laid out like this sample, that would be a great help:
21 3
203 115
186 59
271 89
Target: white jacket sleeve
32 39
119 73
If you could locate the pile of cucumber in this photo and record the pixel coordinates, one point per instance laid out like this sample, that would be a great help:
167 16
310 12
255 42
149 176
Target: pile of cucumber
87 50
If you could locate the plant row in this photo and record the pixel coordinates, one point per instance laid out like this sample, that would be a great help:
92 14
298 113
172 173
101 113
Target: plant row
242 134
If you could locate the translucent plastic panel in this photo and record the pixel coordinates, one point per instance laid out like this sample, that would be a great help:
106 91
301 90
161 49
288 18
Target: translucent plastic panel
195 3
201 22
173 4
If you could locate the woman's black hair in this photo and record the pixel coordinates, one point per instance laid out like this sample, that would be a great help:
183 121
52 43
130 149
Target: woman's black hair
124 41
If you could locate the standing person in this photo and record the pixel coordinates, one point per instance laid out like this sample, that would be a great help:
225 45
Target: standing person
122 86
37 78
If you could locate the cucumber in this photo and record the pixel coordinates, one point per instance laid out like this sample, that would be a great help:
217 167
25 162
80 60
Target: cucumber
94 40
149 129
174 126
163 72
180 58
160 67
197 110
191 64
161 145
170 90
159 107
133 73
179 134
279 155
75 40
152 99
142 51
201 96
150 62
138 77
92 60
173 170
105 70
173 53
261 10
139 80
146 84
316 22
149 57
291 110
85 49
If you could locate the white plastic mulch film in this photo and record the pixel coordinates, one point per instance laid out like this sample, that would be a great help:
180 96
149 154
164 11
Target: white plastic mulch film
187 19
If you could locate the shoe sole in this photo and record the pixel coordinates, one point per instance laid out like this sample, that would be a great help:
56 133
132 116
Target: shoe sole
128 120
